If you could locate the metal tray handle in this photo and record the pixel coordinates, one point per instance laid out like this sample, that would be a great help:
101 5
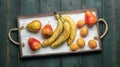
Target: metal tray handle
106 27
9 36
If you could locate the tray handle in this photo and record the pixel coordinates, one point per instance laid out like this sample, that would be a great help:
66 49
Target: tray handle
106 27
10 38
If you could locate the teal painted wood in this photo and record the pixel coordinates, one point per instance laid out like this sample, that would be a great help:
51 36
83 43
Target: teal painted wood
111 42
13 50
3 33
6 21
28 7
117 35
71 60
108 40
93 59
108 9
49 6
67 5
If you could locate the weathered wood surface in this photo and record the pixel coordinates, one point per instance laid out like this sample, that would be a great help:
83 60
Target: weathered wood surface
107 9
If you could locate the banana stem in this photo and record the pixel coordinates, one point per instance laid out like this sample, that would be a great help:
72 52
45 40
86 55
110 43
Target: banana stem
57 16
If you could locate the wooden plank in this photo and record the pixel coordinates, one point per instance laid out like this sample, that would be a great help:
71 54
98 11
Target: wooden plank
50 61
117 35
71 5
12 50
3 32
49 6
7 55
108 40
93 59
111 43
71 60
29 7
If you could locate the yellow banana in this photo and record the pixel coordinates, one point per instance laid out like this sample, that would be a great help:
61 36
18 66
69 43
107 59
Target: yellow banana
64 36
55 34
72 29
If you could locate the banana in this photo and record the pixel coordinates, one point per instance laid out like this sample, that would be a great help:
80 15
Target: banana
72 29
64 36
55 34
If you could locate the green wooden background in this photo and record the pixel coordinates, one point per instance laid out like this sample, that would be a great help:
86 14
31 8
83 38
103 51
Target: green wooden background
108 57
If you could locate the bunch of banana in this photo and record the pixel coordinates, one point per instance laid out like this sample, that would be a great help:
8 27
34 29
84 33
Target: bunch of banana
55 34
64 36
68 33
72 29
65 24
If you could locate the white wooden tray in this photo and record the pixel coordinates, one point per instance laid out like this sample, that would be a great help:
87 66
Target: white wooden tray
63 49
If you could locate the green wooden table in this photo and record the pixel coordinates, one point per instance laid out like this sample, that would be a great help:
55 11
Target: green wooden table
108 57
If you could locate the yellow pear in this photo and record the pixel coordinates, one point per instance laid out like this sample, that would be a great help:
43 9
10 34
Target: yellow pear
34 26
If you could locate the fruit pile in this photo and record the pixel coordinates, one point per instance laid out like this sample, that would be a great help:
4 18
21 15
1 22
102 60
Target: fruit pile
65 31
90 20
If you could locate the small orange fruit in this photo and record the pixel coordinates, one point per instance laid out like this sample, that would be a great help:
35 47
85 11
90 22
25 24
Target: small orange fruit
84 31
92 44
74 47
81 42
80 23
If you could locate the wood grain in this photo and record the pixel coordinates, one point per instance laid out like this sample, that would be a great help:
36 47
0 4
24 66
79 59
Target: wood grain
49 6
117 36
92 59
75 59
3 32
12 50
108 42
108 9
111 43
29 7
70 5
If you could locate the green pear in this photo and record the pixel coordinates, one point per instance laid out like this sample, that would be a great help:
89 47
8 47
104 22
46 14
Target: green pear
34 26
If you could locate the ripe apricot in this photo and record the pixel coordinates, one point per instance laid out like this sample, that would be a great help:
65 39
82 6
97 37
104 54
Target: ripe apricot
81 42
80 23
92 44
84 31
74 47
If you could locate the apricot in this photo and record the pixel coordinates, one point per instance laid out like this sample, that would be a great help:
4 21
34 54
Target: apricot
81 42
92 44
84 31
80 23
74 47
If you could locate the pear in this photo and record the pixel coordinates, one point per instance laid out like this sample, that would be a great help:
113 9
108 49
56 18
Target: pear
47 31
34 26
34 44
90 18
